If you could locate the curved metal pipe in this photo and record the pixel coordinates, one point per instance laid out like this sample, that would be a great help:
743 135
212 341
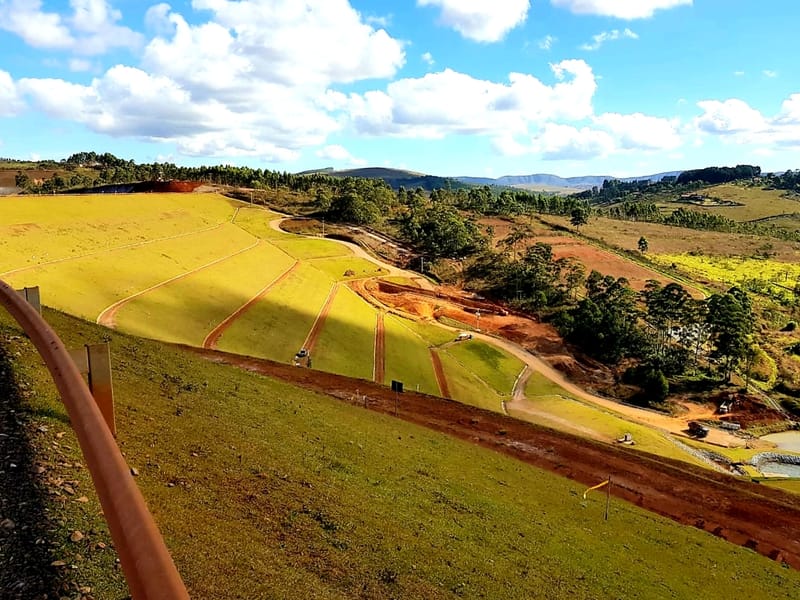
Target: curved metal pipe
148 566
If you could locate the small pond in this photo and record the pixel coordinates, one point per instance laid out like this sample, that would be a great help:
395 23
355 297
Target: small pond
786 440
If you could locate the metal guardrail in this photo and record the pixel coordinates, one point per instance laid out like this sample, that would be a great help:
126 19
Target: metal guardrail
148 566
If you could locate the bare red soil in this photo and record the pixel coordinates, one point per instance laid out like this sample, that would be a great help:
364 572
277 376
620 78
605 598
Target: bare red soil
438 370
316 328
380 349
764 519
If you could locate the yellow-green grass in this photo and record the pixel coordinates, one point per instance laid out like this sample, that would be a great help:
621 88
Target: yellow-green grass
358 267
496 367
186 310
35 230
557 408
407 356
788 485
276 326
401 280
263 490
346 344
756 202
86 286
430 332
467 387
307 248
735 270
256 221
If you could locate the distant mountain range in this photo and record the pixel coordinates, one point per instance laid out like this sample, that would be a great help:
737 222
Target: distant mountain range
540 181
543 180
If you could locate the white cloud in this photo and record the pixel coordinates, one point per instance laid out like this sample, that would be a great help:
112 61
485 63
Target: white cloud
448 102
339 153
479 20
91 29
565 142
427 58
254 80
609 36
730 116
547 42
77 65
769 73
641 132
739 73
10 102
739 123
621 9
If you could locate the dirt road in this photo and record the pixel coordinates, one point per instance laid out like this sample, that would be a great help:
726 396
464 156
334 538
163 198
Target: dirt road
379 369
764 519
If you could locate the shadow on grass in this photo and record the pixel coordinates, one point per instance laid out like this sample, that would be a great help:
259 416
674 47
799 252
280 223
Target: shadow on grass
25 558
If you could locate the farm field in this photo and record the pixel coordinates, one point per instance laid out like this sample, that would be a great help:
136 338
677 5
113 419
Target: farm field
777 276
294 486
663 239
466 387
754 202
201 269
497 368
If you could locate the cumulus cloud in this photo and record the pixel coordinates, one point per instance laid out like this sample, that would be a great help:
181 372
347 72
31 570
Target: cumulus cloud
427 58
565 142
449 102
609 36
254 80
339 153
621 9
479 20
738 122
641 132
90 29
10 102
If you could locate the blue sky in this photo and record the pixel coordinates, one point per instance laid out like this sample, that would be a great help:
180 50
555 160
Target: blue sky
449 87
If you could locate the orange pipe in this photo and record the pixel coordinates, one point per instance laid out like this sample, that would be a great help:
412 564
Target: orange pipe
148 566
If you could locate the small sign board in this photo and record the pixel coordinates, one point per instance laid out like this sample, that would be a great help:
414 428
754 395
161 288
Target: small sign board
94 363
31 295
397 386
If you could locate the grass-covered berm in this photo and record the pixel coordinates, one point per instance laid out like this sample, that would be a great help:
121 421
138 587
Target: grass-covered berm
265 490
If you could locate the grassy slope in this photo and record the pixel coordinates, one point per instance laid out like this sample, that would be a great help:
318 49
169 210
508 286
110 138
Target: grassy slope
35 230
407 357
560 410
88 285
277 492
186 310
337 267
494 366
757 203
466 387
347 342
276 326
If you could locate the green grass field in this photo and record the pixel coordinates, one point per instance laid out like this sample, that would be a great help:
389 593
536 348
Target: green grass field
557 408
185 311
276 326
467 387
492 365
263 490
756 203
407 356
346 344
307 248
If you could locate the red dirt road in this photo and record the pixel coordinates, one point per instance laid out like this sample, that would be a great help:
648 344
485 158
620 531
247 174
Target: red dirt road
319 323
380 350
213 337
764 519
438 370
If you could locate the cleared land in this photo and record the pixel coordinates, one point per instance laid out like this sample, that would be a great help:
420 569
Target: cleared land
751 203
493 366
